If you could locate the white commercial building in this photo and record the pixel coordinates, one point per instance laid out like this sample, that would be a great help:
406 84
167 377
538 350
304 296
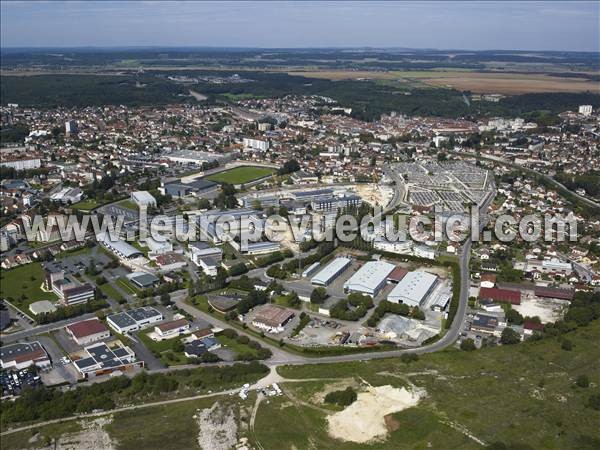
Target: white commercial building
134 319
143 198
21 163
23 354
158 247
331 271
370 278
71 126
195 157
88 331
172 329
256 144
67 195
413 289
119 247
100 359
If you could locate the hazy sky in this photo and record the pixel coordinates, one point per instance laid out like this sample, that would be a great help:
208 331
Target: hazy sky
460 25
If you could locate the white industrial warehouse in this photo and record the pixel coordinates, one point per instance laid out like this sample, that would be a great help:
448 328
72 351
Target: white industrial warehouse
413 289
143 198
331 272
119 247
370 278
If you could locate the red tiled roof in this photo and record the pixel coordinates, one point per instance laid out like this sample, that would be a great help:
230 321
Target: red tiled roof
397 274
564 294
533 326
273 315
501 295
86 328
488 277
167 326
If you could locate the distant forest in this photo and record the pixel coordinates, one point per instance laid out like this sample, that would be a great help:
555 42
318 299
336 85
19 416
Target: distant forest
385 59
367 99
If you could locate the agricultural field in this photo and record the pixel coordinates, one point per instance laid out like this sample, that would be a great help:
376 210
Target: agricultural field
241 175
510 84
466 80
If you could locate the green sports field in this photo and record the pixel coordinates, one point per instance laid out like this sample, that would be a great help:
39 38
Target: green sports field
241 175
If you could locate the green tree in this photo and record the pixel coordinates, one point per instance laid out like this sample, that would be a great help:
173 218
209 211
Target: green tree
468 345
514 317
510 337
318 295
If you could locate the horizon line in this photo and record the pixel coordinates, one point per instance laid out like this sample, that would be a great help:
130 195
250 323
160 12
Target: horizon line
226 47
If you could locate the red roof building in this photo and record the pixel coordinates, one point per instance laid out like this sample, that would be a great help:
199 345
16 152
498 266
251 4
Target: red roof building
88 331
501 295
397 274
533 326
175 327
550 292
488 277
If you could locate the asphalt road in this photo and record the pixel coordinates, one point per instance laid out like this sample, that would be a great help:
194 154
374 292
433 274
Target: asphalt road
25 334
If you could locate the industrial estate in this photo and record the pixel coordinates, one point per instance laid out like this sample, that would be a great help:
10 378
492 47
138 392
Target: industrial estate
129 336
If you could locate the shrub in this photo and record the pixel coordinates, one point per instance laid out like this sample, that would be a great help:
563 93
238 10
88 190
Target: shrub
582 381
341 398
407 358
594 402
318 295
566 345
510 337
468 345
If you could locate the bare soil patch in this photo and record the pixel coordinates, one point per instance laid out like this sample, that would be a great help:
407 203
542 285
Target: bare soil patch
365 419
218 427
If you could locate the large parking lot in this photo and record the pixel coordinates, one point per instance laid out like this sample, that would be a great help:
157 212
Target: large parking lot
77 263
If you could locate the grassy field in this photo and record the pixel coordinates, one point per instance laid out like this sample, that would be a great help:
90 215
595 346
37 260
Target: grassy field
39 437
281 424
85 205
238 97
148 428
523 394
111 292
163 349
478 82
127 286
145 428
142 248
158 427
241 175
240 350
128 204
23 284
